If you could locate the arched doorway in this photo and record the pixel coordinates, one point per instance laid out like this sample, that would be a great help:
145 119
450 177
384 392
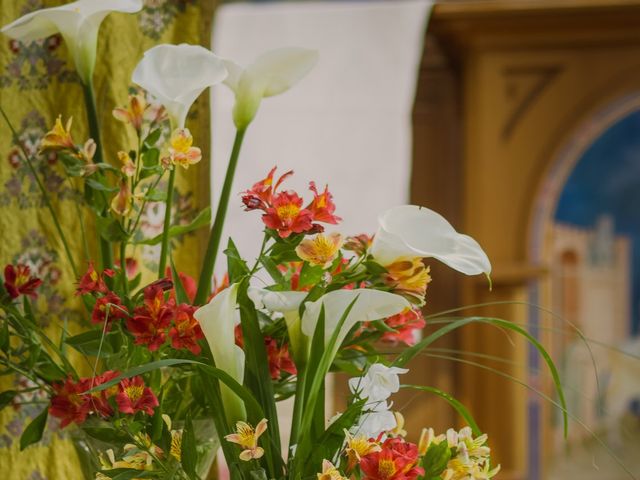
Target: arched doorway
586 227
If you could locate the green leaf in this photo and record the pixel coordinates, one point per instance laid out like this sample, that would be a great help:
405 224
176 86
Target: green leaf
181 293
259 474
155 195
258 376
33 433
6 398
4 336
455 403
99 186
88 343
189 455
203 219
236 266
110 229
436 458
153 138
151 158
310 275
374 268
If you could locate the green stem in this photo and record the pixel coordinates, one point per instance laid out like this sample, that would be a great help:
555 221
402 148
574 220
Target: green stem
164 252
94 130
204 284
44 192
123 267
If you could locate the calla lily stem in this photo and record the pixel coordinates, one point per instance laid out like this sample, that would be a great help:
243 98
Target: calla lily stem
164 252
94 130
45 194
204 284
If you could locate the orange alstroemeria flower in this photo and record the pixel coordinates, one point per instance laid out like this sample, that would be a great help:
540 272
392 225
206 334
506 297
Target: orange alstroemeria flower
133 113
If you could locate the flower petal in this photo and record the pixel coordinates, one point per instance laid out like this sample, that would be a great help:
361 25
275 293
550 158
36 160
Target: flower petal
279 70
410 231
370 305
177 74
283 302
217 320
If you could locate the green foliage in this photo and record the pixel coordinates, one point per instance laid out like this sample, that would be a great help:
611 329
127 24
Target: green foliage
33 432
435 460
201 220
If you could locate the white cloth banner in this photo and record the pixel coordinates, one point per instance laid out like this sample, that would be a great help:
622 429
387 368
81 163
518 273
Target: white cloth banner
348 123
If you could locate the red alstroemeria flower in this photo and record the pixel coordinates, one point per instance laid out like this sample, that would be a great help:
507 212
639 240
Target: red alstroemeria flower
186 330
92 281
260 195
134 397
18 281
150 321
405 323
69 402
116 309
279 359
322 206
287 215
188 283
99 401
396 460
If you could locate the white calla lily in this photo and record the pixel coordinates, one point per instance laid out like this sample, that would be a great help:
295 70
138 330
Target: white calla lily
176 75
288 303
369 305
410 231
77 22
272 73
218 320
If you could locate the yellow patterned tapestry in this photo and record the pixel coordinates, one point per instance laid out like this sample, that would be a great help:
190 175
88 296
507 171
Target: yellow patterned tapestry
38 82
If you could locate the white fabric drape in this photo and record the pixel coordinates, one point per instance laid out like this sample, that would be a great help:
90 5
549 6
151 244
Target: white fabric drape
347 124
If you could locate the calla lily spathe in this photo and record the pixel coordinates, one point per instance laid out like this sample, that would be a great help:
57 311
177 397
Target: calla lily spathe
288 303
77 22
369 305
177 74
272 73
218 320
410 231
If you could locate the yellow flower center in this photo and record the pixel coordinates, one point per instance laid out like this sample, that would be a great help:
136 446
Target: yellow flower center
182 141
386 468
134 392
288 211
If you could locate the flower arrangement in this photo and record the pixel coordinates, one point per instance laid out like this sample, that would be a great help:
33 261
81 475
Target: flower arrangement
169 355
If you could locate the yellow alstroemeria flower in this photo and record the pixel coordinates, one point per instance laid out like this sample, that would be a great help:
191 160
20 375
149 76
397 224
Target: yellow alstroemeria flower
181 149
427 438
330 472
59 137
357 447
176 444
399 430
128 167
409 277
321 250
247 437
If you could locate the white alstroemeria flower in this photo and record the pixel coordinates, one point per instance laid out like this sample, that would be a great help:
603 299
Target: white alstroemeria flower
410 231
288 303
369 305
272 73
77 22
378 383
376 418
176 75
218 320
